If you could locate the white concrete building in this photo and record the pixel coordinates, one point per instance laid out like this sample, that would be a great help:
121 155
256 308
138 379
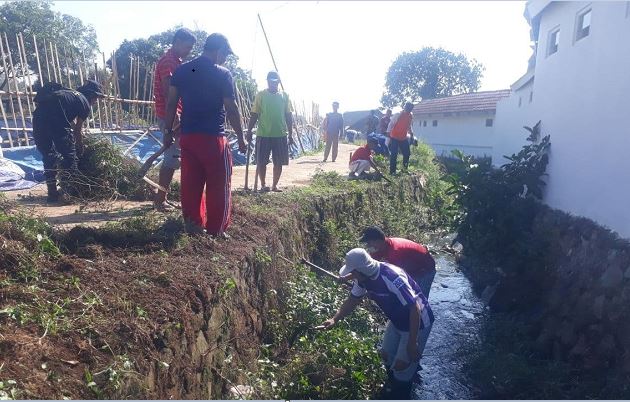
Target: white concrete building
464 122
579 88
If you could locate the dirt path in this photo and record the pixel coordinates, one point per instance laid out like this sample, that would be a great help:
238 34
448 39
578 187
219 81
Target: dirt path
297 174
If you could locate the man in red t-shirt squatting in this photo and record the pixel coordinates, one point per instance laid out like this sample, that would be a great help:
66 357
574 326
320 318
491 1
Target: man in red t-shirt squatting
361 159
412 257
183 42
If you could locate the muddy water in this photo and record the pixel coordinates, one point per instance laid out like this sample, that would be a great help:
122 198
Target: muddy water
458 314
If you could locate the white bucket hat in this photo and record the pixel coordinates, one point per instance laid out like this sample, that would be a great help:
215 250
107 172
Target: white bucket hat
358 259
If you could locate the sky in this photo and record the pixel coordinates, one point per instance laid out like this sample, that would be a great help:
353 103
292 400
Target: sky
330 50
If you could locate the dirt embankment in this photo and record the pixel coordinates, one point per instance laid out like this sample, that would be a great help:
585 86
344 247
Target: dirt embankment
151 313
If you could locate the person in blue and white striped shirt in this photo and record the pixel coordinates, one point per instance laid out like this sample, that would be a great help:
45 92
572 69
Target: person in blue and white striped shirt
400 298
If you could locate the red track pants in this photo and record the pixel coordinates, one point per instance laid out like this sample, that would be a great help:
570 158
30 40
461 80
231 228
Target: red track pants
206 161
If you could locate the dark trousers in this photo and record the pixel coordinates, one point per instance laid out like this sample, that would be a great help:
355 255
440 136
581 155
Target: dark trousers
332 141
394 145
56 144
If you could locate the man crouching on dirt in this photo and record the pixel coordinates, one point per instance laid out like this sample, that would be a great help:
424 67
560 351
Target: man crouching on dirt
402 301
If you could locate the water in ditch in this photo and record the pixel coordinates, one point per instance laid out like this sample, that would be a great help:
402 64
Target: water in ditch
458 314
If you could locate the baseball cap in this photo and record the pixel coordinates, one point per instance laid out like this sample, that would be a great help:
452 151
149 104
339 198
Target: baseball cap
273 76
217 41
372 233
359 260
91 87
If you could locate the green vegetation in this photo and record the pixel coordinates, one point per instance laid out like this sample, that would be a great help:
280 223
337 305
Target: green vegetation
104 174
304 363
499 208
508 367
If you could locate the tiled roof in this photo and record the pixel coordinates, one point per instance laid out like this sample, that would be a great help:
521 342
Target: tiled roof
471 102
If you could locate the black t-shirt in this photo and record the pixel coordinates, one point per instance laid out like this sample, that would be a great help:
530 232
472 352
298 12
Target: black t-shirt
64 106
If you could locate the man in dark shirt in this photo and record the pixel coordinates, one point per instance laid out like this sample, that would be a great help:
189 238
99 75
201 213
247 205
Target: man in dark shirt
384 123
372 123
208 96
333 130
57 123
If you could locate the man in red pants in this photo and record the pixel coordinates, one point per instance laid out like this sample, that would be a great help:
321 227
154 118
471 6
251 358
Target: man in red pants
208 96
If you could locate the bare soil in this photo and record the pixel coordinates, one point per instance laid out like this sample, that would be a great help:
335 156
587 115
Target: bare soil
297 174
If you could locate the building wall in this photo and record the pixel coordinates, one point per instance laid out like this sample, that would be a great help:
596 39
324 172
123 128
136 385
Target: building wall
581 95
513 113
466 132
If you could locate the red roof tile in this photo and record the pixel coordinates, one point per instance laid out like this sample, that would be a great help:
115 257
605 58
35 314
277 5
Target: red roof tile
474 101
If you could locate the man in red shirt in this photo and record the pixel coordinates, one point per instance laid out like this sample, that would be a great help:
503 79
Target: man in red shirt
412 257
183 42
361 159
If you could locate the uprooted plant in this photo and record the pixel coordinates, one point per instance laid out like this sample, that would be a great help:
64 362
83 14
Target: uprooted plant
104 174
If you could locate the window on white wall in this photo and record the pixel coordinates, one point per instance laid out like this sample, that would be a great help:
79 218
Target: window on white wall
583 25
424 123
489 122
434 123
520 101
553 41
531 96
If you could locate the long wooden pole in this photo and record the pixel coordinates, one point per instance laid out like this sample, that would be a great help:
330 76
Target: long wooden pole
6 123
6 69
56 56
68 73
144 94
52 59
39 65
276 68
25 74
47 61
17 90
106 102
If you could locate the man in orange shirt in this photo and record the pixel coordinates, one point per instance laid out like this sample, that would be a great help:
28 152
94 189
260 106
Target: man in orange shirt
398 128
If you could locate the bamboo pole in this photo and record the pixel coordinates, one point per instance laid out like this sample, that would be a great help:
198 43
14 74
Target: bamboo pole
28 77
39 65
6 69
276 68
25 74
130 86
65 57
17 90
80 70
6 123
52 59
56 56
137 96
144 95
106 103
119 109
47 61
151 89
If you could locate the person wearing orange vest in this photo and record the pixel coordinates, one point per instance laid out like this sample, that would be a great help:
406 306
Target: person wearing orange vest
398 128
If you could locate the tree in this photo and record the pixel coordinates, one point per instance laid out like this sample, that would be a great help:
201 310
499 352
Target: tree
149 50
430 73
37 18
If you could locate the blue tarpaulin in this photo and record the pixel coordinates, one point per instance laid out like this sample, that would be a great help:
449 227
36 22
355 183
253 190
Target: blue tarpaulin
23 168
